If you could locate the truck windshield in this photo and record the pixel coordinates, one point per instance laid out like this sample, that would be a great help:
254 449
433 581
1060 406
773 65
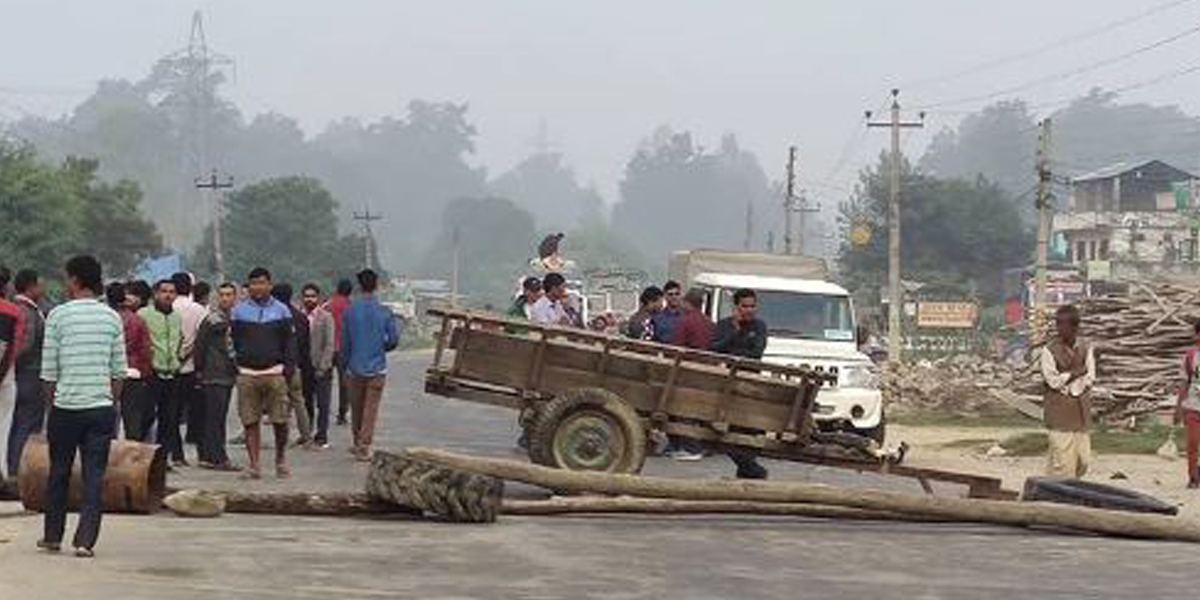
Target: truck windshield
797 315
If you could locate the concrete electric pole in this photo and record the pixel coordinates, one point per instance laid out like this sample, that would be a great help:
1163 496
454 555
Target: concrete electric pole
215 185
895 295
794 203
366 217
1045 178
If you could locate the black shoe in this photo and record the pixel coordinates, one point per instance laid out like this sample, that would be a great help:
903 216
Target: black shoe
342 421
53 547
752 471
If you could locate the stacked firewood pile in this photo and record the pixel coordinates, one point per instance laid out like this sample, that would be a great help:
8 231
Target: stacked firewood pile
1139 336
1140 339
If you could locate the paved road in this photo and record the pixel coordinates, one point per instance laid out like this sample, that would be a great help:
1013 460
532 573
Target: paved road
241 556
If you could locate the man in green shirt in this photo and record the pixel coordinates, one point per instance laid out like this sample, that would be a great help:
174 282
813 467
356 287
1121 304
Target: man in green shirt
163 397
83 365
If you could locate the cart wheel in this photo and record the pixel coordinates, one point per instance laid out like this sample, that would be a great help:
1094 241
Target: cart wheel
588 429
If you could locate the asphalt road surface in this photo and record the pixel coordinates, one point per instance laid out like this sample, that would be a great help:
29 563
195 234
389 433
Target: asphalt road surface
696 557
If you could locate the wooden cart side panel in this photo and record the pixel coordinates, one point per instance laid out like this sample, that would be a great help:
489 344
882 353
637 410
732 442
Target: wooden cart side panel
502 360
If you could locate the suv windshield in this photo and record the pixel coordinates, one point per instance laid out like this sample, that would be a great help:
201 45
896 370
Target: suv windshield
797 315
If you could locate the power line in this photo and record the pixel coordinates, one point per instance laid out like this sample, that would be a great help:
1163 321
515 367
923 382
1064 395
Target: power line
1056 77
1060 43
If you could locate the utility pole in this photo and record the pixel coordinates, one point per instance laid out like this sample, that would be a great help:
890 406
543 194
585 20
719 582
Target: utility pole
1045 178
797 204
215 185
454 243
789 200
365 218
895 296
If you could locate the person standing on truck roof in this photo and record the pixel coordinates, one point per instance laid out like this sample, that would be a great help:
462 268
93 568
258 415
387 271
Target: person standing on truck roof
666 319
1069 370
743 334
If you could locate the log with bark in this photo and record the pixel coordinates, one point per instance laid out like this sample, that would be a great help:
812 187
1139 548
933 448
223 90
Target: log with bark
571 505
302 504
1020 514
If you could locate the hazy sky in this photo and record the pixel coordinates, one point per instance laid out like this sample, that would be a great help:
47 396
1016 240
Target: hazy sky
604 74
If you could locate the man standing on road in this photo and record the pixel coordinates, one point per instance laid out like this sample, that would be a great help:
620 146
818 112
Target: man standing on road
319 386
191 405
337 307
666 319
139 363
694 330
83 364
263 348
11 325
1069 370
29 410
368 334
743 334
217 370
166 340
302 351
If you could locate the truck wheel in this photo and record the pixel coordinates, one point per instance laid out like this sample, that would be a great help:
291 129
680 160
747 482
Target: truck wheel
588 429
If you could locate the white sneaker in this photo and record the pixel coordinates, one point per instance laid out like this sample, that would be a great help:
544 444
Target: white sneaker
685 456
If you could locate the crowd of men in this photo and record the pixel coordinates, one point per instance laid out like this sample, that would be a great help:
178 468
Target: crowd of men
151 360
665 315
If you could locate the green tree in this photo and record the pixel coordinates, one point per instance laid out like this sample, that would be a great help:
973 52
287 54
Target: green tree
288 225
39 210
496 238
675 195
956 232
112 226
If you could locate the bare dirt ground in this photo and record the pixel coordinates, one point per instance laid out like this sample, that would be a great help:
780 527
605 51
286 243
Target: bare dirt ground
1162 478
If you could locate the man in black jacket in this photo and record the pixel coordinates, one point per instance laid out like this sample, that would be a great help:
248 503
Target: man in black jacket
217 372
302 350
743 334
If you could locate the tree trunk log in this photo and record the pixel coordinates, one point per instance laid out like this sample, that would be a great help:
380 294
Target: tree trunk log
1021 514
301 504
627 504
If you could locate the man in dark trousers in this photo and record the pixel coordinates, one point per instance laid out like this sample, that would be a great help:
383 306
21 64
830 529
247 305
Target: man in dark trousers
163 396
743 334
217 371
83 365
302 351
29 411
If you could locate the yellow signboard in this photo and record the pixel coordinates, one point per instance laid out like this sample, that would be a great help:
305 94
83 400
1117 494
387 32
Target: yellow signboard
947 315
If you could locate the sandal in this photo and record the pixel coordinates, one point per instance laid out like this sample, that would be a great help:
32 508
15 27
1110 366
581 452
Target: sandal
52 547
249 474
283 471
82 552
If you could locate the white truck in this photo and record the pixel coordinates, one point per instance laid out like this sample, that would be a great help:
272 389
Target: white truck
810 321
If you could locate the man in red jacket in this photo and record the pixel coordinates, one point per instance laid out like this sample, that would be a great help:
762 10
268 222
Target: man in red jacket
694 329
337 307
132 403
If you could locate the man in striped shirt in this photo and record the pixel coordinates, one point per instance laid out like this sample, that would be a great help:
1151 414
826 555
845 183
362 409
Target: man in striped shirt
83 365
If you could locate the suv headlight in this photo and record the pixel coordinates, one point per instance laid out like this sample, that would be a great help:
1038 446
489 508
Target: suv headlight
860 376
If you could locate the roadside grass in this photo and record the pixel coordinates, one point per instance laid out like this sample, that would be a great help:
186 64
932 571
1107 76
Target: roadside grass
1143 440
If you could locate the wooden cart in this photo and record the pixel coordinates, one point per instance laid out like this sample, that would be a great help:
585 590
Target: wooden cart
590 401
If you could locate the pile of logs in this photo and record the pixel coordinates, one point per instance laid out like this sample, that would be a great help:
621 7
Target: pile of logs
1140 338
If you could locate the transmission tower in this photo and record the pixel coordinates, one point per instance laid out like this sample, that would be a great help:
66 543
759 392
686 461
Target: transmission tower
188 78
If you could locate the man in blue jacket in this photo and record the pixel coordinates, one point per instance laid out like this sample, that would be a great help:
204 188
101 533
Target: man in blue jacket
368 333
265 356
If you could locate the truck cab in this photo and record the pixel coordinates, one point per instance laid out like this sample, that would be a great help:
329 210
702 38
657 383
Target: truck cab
810 322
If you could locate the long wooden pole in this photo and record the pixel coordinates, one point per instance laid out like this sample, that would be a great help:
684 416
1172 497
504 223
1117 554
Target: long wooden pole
627 504
1020 514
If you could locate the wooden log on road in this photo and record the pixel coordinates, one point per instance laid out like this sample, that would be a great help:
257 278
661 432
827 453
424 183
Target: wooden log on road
569 505
1020 514
316 505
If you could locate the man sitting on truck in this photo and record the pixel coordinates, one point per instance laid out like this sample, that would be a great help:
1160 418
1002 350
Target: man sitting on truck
743 334
552 308
666 319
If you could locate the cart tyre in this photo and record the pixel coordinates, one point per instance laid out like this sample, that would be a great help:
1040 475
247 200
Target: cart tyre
452 494
588 429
